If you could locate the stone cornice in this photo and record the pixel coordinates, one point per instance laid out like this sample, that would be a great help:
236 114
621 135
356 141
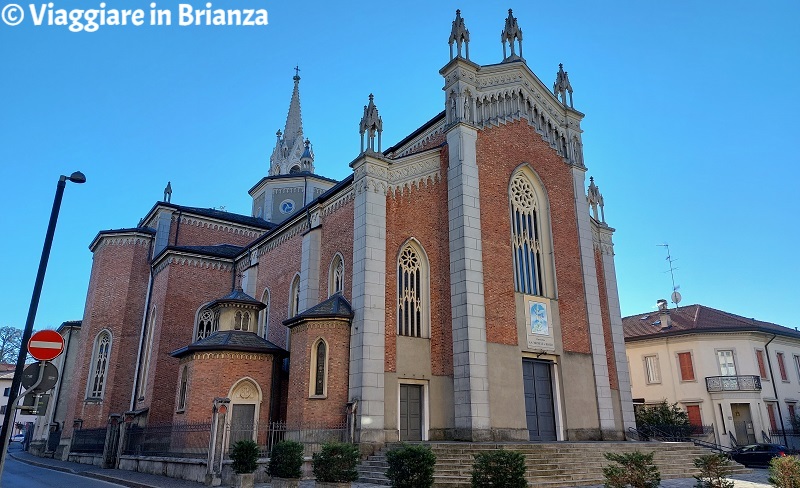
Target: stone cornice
321 323
602 237
415 170
123 238
182 258
199 356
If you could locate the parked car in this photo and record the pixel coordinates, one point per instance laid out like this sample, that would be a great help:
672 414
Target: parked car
760 454
18 438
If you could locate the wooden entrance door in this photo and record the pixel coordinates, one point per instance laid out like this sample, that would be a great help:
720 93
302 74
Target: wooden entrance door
539 411
410 412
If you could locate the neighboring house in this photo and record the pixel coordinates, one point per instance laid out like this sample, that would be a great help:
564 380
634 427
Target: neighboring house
48 427
458 285
6 377
738 374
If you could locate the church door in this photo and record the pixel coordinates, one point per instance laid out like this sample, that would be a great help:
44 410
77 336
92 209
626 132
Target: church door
410 412
242 422
539 411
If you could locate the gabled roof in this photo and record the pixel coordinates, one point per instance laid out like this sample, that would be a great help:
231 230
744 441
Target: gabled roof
697 319
230 217
335 307
219 250
230 340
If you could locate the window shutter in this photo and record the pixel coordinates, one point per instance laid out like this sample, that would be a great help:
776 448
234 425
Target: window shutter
782 367
761 369
694 414
685 362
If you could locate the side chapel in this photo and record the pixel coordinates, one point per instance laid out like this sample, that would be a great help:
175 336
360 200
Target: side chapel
459 284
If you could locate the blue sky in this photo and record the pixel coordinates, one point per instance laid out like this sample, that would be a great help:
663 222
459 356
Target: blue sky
690 128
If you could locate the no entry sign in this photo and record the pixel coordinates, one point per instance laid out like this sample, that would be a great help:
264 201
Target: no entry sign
46 345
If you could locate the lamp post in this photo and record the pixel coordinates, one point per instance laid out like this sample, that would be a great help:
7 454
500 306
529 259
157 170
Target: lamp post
76 177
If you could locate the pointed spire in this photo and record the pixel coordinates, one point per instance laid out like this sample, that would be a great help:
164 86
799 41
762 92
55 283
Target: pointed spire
372 125
289 146
460 35
596 200
562 86
511 33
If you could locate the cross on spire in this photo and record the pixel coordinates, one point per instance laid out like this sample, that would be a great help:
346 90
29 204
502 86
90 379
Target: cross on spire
296 73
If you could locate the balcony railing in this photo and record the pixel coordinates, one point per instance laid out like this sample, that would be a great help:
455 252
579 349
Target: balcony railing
733 383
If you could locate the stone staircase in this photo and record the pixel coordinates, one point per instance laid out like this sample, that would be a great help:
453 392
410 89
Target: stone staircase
557 464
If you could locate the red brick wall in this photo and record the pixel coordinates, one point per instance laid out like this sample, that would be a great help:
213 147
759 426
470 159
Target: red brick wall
178 292
192 231
115 302
330 410
277 269
500 150
421 213
610 356
213 374
337 236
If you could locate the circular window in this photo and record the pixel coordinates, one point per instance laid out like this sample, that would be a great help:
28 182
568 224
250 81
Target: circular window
287 206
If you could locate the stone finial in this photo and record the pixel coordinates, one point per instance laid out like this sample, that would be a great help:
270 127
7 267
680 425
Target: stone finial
511 33
460 35
372 125
562 86
596 200
307 159
168 192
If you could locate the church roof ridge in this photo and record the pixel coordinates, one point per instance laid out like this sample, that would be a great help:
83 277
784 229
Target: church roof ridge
230 340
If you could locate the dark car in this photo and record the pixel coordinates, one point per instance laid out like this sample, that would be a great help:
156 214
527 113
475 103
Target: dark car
759 454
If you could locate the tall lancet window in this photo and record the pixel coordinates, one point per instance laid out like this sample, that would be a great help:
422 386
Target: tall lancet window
99 371
336 279
294 297
526 237
412 291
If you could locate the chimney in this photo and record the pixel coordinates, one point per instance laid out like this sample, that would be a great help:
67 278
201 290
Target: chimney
663 314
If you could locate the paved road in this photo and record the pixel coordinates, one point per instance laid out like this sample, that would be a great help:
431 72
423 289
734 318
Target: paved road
21 475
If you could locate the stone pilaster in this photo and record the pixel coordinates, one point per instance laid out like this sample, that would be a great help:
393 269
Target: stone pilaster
601 380
310 263
470 370
617 334
367 342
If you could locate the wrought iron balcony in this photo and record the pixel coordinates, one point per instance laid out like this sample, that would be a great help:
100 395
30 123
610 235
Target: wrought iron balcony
733 383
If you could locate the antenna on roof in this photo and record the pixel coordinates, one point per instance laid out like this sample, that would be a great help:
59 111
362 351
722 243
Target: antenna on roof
676 296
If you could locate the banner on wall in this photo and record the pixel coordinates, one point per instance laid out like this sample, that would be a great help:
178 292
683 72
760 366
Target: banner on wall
539 329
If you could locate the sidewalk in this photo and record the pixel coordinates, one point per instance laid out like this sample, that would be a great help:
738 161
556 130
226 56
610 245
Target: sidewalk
132 479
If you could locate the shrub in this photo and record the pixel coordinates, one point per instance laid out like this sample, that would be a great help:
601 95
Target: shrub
410 466
662 414
244 455
286 459
336 463
634 469
714 471
784 472
499 468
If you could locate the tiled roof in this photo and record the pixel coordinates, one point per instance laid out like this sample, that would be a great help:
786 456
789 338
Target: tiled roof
238 296
336 306
229 216
69 323
231 340
697 319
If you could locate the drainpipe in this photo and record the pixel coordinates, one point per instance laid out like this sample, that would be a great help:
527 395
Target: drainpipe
775 388
144 325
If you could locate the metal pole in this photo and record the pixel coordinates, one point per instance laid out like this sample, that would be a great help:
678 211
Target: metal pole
28 331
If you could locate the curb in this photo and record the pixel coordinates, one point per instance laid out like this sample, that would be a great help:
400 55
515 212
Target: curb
85 474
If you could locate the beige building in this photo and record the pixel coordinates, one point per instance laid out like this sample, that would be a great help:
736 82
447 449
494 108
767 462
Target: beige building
738 374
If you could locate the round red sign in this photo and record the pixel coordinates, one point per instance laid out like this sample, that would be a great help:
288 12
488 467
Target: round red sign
46 345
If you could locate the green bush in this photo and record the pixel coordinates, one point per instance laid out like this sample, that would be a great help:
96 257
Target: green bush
634 469
286 460
410 466
499 468
336 463
244 455
784 472
714 471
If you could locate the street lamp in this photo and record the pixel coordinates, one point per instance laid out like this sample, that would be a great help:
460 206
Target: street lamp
76 177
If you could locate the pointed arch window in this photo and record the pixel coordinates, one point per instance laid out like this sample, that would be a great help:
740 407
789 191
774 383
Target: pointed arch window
336 276
263 316
183 389
412 292
294 297
206 324
99 369
319 369
526 237
241 321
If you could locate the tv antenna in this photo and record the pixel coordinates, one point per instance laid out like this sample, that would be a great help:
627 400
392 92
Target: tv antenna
676 296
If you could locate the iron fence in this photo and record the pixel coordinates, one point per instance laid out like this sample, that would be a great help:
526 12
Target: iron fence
311 435
733 383
789 436
89 441
188 440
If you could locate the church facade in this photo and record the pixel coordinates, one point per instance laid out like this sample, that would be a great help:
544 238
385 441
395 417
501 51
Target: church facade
459 284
